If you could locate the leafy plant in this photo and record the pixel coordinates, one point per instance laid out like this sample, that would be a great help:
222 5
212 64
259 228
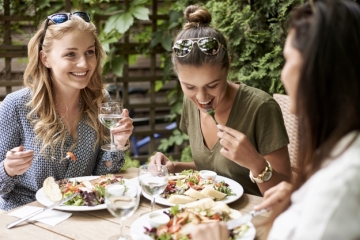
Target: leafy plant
177 138
129 162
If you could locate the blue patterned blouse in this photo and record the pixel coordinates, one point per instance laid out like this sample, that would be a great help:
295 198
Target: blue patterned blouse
17 130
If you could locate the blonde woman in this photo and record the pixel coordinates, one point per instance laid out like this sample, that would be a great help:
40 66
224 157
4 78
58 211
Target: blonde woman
57 112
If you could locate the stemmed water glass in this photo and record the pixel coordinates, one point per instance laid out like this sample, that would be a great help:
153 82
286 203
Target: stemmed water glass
109 115
153 179
122 200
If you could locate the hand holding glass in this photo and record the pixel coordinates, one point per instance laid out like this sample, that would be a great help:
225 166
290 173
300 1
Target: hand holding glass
153 179
110 113
122 200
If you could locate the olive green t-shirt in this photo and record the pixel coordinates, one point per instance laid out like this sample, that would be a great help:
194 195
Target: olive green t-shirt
254 113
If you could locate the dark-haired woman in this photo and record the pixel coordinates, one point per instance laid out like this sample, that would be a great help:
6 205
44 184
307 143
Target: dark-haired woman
251 147
321 76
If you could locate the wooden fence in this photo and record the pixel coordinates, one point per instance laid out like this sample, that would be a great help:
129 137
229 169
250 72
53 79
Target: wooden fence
136 88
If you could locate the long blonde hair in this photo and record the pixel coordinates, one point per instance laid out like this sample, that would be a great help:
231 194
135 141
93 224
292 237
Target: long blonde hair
48 127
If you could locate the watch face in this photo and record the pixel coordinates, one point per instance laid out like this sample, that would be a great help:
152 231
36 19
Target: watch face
267 176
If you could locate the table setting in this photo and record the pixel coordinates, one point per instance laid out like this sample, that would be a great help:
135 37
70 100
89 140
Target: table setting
77 222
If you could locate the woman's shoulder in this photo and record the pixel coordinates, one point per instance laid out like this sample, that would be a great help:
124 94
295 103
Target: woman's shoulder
254 94
344 160
255 98
343 164
18 97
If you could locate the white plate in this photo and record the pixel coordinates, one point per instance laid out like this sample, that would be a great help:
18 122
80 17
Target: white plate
44 200
137 229
235 187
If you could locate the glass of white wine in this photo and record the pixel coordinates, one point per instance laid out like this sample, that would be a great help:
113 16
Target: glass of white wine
122 200
153 179
109 115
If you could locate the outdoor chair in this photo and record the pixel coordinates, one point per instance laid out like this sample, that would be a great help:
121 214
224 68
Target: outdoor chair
291 127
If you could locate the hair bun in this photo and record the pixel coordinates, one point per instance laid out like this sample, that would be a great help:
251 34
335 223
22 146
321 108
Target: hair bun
196 16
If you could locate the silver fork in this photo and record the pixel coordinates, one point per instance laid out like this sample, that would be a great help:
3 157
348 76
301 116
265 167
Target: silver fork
211 112
68 157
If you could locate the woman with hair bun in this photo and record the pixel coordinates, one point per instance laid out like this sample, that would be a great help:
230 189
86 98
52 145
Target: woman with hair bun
234 129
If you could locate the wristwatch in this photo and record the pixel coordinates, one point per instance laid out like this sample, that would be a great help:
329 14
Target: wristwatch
264 176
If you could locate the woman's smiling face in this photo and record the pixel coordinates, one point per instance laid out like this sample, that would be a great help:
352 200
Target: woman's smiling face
72 60
204 85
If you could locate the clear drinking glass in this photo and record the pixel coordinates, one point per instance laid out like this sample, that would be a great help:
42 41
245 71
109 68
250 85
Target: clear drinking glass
109 115
153 180
122 200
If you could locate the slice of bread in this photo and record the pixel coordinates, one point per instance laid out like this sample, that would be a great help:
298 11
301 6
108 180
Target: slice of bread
52 189
180 199
195 194
205 203
220 207
211 192
176 177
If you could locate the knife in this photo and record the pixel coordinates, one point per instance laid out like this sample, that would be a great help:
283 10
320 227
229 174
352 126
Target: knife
245 218
42 210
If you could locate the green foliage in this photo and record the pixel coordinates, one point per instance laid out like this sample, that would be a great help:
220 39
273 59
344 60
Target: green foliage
256 34
129 162
177 138
186 155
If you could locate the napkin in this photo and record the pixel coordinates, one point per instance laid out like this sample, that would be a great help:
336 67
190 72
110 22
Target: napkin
50 217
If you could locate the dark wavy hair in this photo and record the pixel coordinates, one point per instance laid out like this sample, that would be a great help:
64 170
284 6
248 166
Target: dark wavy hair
328 94
327 35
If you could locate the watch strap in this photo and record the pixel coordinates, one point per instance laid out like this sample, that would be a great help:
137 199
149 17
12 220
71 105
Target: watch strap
260 177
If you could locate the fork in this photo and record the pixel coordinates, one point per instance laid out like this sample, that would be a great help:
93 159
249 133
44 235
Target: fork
211 112
67 157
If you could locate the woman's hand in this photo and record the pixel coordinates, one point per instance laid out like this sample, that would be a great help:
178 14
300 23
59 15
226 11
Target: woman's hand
275 195
214 231
160 159
239 149
18 162
123 130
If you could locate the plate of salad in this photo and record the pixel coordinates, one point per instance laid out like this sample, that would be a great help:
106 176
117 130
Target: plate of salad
189 185
184 220
91 188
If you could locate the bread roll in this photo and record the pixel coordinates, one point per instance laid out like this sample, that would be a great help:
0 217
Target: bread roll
209 191
180 199
195 194
52 189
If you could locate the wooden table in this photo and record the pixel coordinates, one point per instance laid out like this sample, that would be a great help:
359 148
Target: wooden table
101 224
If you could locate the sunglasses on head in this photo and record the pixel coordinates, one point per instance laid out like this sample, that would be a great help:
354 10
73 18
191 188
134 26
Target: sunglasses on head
59 18
208 45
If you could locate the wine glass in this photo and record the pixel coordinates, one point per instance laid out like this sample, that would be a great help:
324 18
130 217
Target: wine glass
122 200
109 115
153 179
